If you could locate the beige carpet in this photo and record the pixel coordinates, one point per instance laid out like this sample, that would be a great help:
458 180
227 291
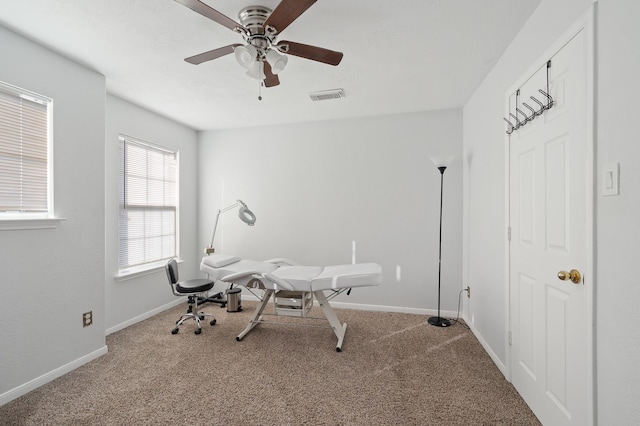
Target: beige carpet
394 369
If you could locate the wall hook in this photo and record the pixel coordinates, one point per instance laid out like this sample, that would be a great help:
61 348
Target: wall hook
533 111
549 98
542 108
518 124
526 118
511 126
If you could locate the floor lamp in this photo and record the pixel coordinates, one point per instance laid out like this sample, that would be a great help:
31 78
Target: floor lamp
441 163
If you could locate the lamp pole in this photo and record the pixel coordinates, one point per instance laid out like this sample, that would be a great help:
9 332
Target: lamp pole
439 321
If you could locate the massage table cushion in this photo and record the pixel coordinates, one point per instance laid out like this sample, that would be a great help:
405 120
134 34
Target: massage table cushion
317 278
299 278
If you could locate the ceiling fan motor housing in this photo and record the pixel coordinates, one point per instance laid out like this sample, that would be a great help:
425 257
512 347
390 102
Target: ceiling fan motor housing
253 19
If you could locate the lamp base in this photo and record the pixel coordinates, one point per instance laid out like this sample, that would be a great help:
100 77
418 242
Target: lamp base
439 322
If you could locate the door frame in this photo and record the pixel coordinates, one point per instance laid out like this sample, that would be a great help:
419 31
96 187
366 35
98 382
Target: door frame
586 23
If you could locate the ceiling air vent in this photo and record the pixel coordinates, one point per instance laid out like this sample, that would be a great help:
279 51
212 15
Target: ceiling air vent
325 95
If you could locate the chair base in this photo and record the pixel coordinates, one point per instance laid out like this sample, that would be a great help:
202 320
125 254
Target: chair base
197 318
216 298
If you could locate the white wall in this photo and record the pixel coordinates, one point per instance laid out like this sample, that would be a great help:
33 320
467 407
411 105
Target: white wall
51 276
618 229
618 223
131 300
316 187
57 274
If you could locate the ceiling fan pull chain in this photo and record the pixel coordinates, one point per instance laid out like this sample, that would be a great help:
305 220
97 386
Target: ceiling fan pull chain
259 90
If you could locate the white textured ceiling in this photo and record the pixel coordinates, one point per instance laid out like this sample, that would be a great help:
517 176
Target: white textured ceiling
399 56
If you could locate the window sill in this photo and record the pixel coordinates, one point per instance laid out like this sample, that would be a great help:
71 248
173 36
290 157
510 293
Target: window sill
142 270
21 223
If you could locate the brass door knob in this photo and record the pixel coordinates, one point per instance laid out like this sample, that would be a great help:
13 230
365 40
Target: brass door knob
573 275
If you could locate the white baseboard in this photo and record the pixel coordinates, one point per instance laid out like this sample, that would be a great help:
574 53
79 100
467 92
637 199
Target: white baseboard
375 308
60 371
399 309
51 375
143 316
488 349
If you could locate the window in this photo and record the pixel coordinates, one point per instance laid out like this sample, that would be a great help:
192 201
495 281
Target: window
148 200
26 189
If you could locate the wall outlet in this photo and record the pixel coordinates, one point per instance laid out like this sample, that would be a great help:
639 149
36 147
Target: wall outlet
87 319
468 292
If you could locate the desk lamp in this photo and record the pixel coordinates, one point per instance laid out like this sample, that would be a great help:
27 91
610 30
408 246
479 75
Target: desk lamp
244 214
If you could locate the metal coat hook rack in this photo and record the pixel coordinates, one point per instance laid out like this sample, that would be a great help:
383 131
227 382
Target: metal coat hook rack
534 112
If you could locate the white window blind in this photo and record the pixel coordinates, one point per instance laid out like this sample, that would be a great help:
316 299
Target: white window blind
24 151
148 203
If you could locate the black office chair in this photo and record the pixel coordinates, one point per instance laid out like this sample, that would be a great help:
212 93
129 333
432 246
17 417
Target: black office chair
193 289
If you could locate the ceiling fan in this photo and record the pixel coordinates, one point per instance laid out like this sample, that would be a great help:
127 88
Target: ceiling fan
259 27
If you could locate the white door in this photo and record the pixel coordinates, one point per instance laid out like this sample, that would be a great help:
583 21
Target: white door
548 213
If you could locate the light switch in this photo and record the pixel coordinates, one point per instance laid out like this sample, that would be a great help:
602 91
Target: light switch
611 179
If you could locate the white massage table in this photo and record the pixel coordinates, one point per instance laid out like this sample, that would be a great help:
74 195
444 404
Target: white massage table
292 286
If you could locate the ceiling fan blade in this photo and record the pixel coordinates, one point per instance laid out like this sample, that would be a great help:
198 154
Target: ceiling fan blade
286 12
211 13
212 54
270 79
314 53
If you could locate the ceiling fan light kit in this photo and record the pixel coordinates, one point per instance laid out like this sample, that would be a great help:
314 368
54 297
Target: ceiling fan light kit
256 71
245 55
262 55
276 60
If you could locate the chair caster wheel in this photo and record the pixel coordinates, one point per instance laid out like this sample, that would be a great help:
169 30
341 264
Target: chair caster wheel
201 317
338 349
212 322
223 305
237 339
198 331
175 330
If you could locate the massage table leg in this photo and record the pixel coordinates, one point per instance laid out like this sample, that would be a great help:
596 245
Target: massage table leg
255 319
339 329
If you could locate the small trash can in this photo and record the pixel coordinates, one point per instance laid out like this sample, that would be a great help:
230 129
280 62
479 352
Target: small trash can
233 300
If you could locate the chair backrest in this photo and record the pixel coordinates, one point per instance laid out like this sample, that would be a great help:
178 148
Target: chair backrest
172 271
